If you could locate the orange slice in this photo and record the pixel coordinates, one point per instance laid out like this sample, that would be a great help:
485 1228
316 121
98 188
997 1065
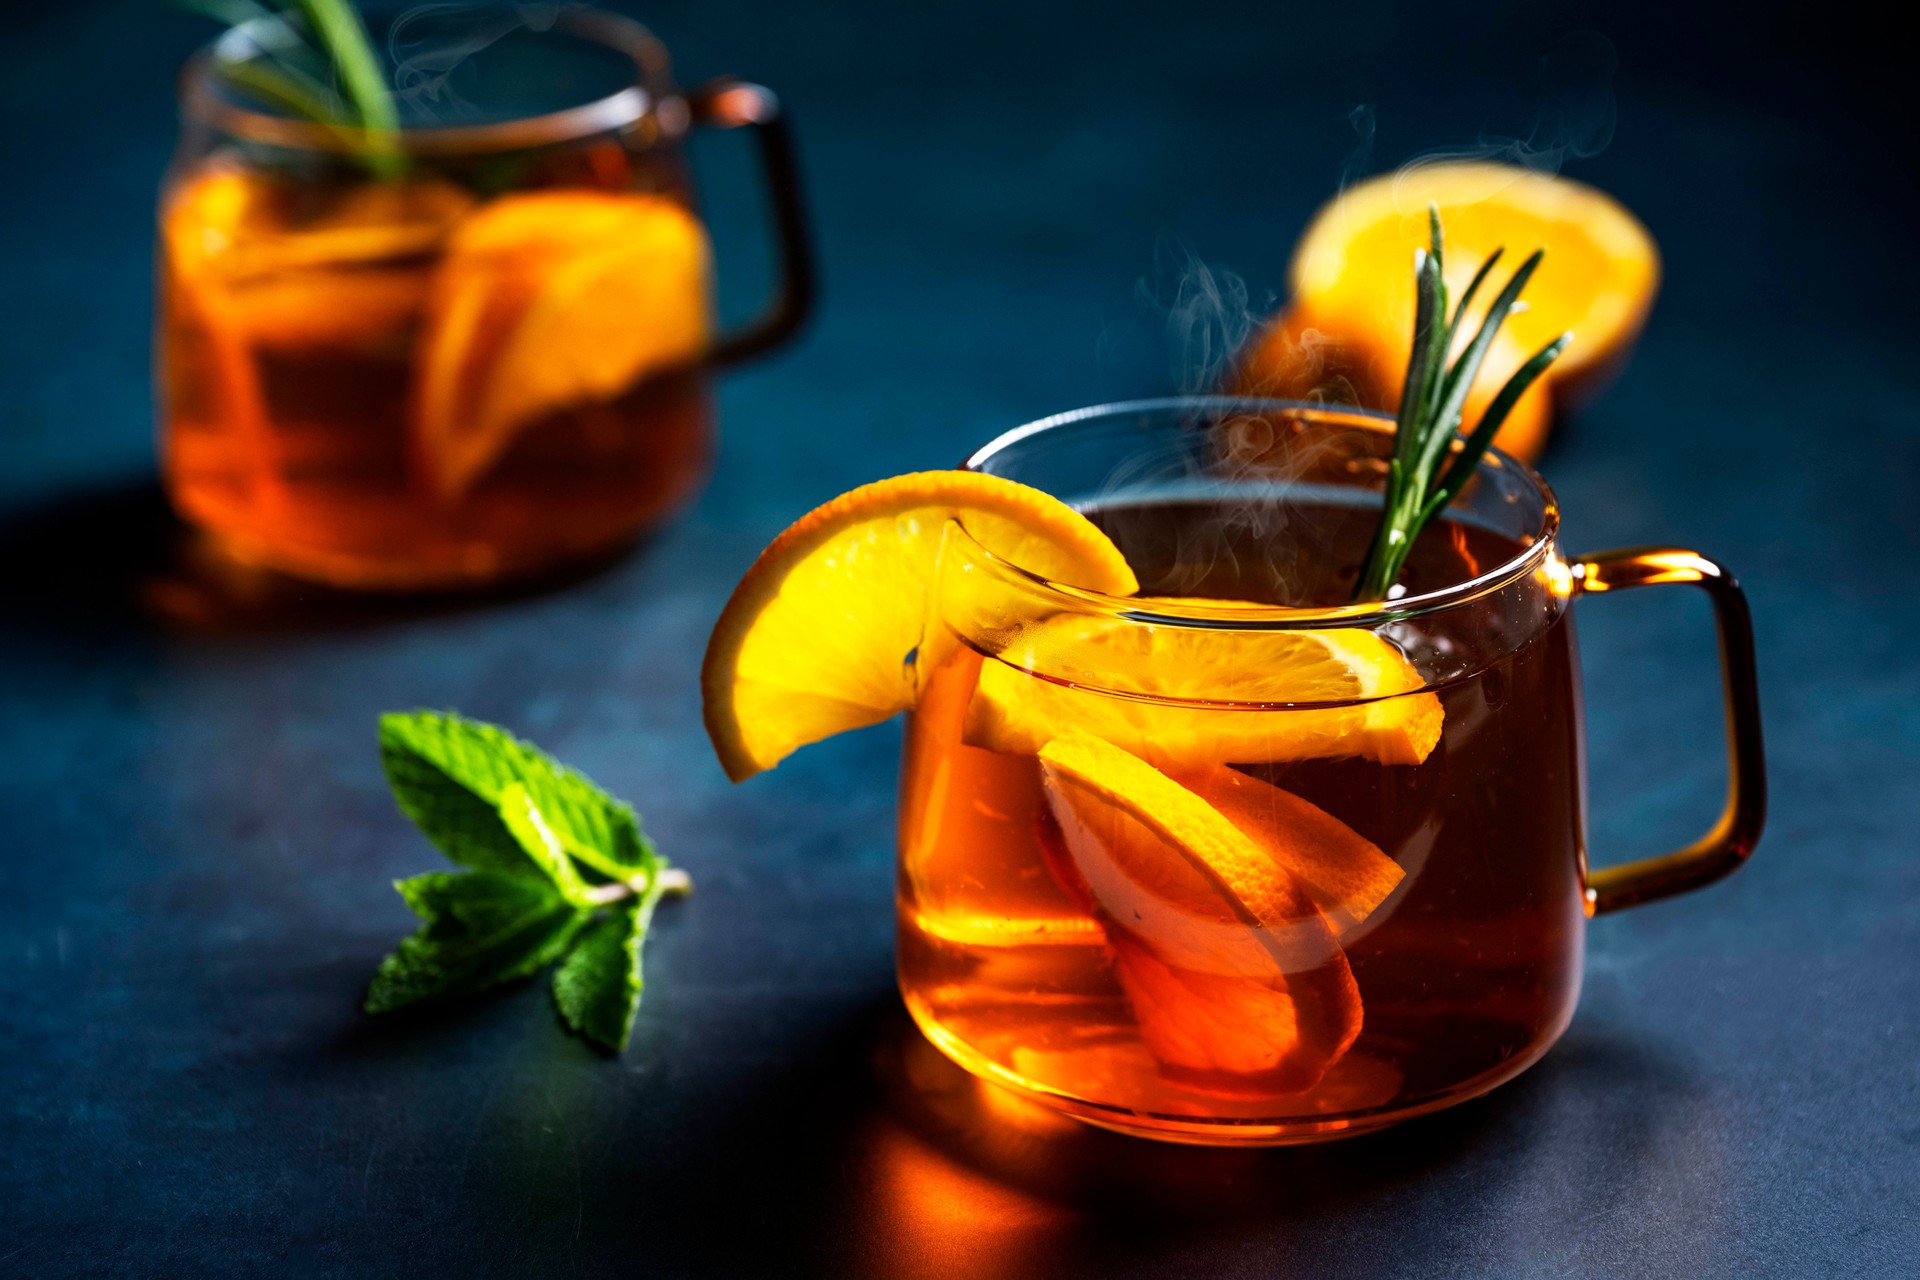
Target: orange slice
1230 966
549 299
819 635
1352 282
291 268
255 263
252 225
1345 874
1184 697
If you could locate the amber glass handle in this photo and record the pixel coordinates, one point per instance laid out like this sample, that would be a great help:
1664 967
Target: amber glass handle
732 104
1738 830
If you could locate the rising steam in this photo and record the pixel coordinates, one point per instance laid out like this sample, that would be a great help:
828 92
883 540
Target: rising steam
1210 315
1576 121
429 42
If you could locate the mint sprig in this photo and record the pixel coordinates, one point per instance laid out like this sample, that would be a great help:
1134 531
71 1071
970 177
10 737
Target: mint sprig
559 870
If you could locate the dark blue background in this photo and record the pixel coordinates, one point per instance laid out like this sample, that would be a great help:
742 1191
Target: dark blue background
198 842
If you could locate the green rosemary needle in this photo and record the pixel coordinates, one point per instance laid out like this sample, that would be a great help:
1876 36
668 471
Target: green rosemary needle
362 112
1431 402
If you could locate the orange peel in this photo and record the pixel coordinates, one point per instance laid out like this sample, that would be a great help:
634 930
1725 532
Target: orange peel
819 634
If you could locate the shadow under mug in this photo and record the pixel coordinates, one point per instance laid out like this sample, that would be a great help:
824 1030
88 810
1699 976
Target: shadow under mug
1161 871
457 352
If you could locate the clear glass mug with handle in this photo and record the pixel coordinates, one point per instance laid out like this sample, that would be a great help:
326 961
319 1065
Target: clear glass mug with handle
1236 861
469 349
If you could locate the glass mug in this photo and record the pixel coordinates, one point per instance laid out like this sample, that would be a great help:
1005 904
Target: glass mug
458 352
1236 861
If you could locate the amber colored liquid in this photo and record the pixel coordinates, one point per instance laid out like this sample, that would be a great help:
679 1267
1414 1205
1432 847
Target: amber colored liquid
287 428
1467 973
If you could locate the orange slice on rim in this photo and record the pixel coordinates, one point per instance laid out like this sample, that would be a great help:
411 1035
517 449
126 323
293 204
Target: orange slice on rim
820 634
1234 974
1185 697
549 299
1350 325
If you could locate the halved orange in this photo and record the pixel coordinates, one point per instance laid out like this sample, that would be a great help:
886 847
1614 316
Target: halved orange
1231 967
1184 697
820 634
548 299
1332 352
1352 283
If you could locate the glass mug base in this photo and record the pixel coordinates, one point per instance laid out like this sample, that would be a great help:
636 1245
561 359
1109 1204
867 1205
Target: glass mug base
544 515
1292 1130
462 569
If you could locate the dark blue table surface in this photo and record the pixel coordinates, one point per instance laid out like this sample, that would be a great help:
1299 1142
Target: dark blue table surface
198 843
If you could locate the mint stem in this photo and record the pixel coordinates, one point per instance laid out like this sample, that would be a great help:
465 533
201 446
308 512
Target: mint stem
670 880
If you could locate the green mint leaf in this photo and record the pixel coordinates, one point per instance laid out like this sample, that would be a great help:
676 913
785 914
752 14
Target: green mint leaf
482 928
448 774
597 988
538 840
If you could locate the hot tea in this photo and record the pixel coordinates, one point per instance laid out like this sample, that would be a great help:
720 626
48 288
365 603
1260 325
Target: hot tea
456 331
1012 954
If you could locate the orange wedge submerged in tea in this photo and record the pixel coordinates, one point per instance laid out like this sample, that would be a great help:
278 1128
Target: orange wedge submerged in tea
545 300
1190 696
279 264
819 635
1232 969
1347 333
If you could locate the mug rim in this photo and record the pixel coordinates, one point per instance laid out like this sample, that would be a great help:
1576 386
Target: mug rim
650 93
1540 555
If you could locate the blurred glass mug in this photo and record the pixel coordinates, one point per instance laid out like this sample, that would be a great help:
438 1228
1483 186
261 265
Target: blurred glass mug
454 353
1238 861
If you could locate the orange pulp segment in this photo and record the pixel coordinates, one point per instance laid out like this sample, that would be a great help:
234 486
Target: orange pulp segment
1351 279
1345 874
1231 968
819 636
547 299
1185 697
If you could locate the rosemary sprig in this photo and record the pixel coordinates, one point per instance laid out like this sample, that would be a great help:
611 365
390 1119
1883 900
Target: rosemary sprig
343 37
1432 400
362 111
